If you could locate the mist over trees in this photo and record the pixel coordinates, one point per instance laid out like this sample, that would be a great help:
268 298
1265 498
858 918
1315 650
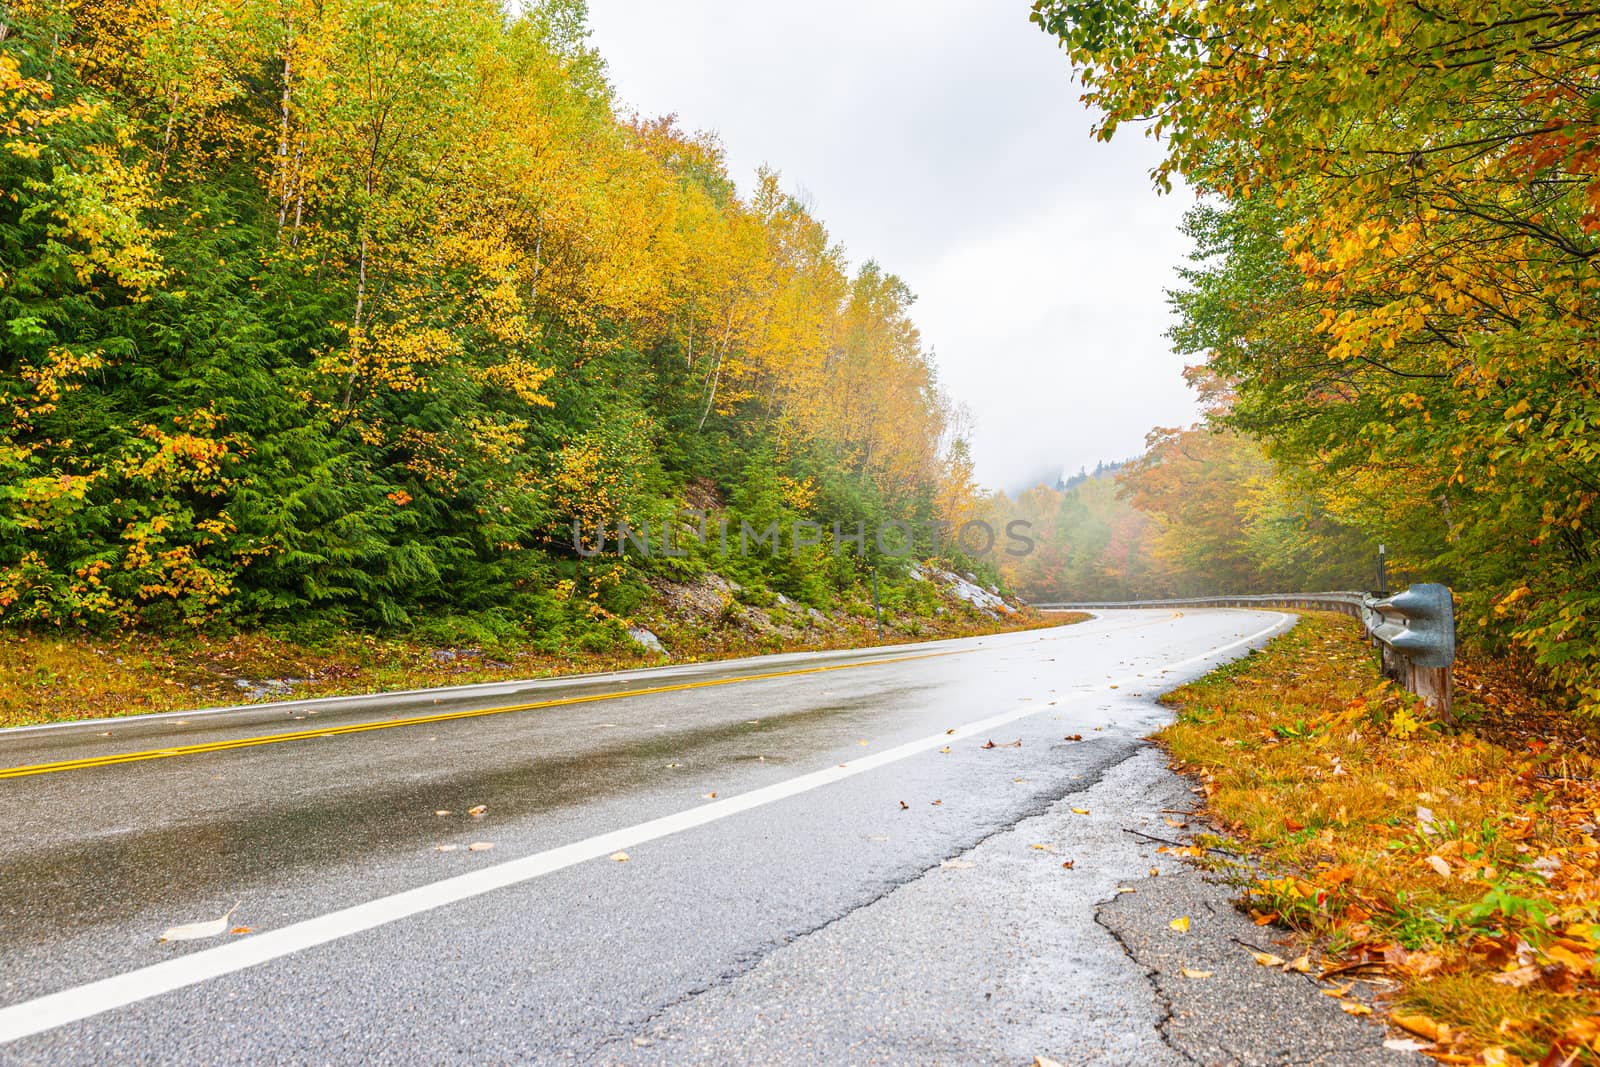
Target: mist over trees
1398 233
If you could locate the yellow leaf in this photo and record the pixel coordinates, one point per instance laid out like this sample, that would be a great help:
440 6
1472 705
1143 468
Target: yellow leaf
1187 973
1267 959
1180 924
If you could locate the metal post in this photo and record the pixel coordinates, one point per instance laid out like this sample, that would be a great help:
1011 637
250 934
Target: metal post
876 609
1383 578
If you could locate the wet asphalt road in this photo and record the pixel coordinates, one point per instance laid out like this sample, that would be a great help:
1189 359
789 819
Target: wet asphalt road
659 958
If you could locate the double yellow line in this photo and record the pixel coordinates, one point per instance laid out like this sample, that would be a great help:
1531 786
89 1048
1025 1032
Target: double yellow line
422 720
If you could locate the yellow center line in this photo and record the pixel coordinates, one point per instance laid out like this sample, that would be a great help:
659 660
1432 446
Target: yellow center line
420 720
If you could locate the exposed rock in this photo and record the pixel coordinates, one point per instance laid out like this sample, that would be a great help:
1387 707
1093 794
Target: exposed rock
647 640
455 655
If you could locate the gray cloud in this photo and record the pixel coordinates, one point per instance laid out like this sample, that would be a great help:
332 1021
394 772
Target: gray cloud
945 139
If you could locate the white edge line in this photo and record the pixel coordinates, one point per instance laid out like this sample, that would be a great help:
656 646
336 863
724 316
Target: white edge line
93 998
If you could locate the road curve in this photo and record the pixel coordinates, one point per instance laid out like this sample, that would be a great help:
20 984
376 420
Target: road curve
764 806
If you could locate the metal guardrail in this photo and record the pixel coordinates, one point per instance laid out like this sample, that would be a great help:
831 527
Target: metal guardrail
1414 630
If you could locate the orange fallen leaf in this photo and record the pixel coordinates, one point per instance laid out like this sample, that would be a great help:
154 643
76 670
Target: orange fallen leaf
477 810
1351 1007
241 930
1267 959
1422 1026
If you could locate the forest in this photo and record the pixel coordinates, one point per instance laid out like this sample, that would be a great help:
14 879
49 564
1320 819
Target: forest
350 310
1394 294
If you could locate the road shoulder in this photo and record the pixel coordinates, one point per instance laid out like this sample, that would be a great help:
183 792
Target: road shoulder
1028 944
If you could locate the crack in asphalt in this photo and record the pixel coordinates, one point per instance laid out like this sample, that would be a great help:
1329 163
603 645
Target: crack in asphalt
748 961
1150 973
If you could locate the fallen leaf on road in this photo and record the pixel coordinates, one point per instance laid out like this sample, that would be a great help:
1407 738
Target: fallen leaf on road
863 741
987 744
1043 848
1069 864
197 931
442 811
1155 872
1341 991
1176 824
904 806
958 865
621 857
1113 687
949 731
1300 966
1267 959
1180 924
1352 1008
241 930
713 796
1187 973
477 810
1073 737
1126 889
480 846
444 848
936 803
945 750
1080 811
1045 1061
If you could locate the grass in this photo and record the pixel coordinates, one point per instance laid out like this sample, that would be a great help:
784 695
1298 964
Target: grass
61 676
1460 864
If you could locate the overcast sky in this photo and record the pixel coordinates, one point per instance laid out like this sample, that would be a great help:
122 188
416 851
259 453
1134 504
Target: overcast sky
944 138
